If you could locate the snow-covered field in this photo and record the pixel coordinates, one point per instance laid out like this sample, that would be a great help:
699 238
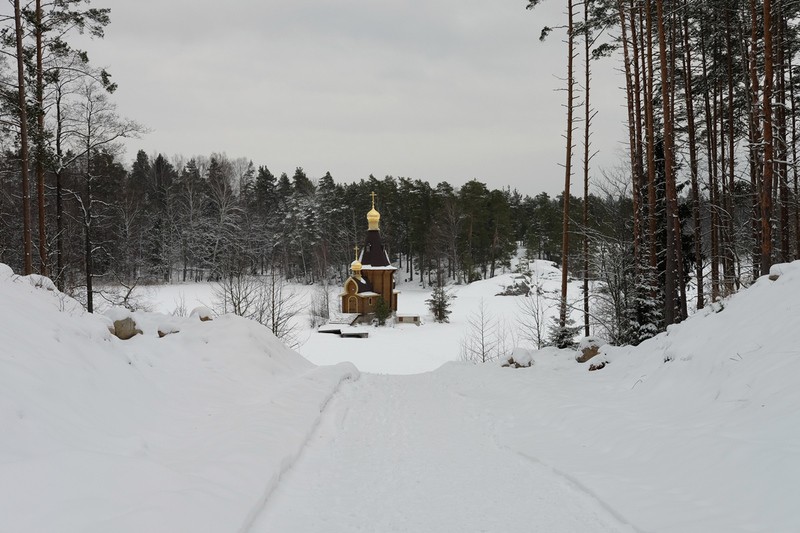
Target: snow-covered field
397 348
219 428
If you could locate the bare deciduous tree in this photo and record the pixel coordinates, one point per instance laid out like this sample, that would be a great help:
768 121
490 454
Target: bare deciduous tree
480 344
101 129
266 299
533 310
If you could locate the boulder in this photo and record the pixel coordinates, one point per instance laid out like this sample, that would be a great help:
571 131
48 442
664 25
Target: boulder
776 270
588 348
126 328
597 366
202 312
168 325
121 323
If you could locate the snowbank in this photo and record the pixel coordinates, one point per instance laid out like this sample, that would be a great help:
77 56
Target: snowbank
189 432
693 430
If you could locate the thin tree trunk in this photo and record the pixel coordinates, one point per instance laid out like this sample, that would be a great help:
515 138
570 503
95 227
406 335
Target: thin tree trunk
711 148
587 122
780 115
40 143
562 317
725 205
698 235
23 134
680 281
632 105
87 226
766 193
59 195
731 281
794 158
651 166
671 315
755 140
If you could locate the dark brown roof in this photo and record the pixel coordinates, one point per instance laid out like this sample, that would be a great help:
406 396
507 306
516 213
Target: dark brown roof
374 254
363 285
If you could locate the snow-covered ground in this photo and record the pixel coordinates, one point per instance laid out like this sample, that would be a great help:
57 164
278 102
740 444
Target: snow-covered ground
220 428
189 432
421 453
398 348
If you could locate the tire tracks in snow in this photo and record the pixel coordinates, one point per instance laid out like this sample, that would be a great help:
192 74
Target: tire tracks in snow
288 462
577 485
413 453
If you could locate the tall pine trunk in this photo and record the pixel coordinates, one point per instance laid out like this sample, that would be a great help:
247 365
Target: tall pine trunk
650 143
23 135
711 149
40 142
691 131
672 312
562 316
587 122
766 188
632 136
756 148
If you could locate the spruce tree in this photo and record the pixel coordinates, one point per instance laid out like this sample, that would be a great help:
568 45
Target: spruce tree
439 302
563 336
382 311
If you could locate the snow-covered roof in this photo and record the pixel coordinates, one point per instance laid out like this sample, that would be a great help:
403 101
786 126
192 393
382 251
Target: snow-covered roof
370 267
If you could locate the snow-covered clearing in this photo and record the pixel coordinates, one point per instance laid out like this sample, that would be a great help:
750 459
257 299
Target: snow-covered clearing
219 428
397 348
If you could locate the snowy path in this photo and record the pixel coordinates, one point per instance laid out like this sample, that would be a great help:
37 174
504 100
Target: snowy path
394 454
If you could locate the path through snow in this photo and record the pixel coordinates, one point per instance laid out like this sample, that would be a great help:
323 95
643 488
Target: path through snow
395 453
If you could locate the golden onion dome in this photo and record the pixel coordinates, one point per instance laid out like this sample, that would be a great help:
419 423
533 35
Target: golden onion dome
373 217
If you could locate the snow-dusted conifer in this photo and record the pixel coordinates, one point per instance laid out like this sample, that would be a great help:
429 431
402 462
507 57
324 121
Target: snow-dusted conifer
439 302
563 336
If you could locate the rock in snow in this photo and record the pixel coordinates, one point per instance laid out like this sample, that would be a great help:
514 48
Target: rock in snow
203 313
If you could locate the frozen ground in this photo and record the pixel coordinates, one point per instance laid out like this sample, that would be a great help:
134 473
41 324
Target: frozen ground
219 428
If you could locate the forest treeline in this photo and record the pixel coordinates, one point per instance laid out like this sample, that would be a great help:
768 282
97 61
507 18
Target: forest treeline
172 219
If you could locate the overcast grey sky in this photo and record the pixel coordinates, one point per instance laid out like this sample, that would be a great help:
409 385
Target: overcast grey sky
430 89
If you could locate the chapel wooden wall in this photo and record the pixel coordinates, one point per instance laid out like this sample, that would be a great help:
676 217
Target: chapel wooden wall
382 282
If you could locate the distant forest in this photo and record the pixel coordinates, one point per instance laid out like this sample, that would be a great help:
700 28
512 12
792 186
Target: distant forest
172 219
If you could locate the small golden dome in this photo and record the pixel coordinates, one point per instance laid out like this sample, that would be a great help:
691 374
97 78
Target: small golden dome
355 266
